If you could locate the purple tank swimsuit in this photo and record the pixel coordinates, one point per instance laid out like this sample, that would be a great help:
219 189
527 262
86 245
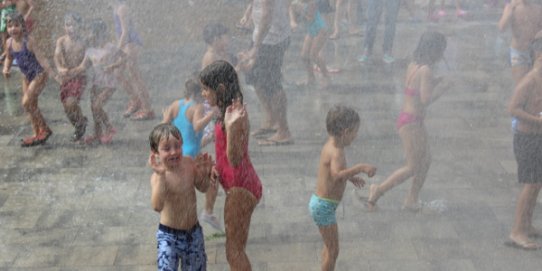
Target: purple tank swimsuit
27 62
133 37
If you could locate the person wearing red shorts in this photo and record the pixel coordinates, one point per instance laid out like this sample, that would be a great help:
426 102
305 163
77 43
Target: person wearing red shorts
69 53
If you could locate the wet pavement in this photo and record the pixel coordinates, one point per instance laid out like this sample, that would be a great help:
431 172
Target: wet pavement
65 206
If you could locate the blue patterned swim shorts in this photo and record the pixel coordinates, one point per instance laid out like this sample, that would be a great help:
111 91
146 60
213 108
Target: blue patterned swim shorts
186 245
323 210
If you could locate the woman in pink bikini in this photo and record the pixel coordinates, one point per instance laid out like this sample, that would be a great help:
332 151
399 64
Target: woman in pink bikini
233 168
418 95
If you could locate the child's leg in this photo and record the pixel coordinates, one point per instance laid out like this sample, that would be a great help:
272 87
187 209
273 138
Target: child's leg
30 103
207 215
520 229
315 53
210 199
238 209
330 252
353 17
95 108
410 135
100 101
531 230
70 94
25 100
424 162
337 19
305 57
138 85
133 104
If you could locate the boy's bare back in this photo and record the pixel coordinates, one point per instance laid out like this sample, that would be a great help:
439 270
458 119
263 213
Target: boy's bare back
175 195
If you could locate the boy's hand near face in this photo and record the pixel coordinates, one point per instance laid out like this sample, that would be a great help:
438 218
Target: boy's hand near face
156 165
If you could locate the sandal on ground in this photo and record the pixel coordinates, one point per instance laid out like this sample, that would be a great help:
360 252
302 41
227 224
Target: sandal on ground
29 141
143 115
36 140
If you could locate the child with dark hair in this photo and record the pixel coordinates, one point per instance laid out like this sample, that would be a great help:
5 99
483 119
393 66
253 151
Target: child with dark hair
419 93
233 167
173 195
188 116
35 67
69 53
105 58
217 37
342 124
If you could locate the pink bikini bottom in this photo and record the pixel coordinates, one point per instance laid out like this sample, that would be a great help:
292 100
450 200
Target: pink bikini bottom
406 118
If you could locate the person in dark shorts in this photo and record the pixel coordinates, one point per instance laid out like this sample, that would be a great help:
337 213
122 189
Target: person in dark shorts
262 65
525 105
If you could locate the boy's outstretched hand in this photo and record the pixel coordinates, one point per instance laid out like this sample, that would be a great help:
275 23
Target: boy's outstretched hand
204 164
156 165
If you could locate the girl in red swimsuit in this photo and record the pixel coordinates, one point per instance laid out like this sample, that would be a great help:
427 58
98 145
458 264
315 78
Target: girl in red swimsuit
233 168
418 95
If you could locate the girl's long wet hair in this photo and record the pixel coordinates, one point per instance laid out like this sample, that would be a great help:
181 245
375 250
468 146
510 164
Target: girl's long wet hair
430 48
222 73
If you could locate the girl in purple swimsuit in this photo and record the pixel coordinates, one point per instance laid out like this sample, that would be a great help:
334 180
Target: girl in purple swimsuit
418 95
35 68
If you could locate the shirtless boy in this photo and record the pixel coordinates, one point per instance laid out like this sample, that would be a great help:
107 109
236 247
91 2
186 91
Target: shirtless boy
526 106
525 20
342 124
69 53
179 235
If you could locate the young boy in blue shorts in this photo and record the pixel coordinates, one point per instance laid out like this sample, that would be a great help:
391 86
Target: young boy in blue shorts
342 125
179 234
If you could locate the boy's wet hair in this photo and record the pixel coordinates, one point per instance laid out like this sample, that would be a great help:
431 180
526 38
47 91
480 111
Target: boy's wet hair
192 88
339 118
213 31
222 73
16 18
163 131
76 17
430 48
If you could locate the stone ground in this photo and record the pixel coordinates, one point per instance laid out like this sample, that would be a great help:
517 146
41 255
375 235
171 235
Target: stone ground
65 206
